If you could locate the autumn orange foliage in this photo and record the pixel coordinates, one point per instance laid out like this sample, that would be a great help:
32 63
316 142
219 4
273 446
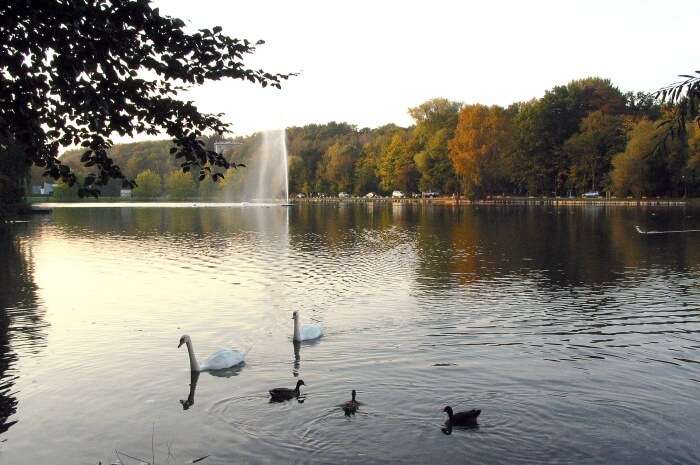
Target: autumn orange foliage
480 137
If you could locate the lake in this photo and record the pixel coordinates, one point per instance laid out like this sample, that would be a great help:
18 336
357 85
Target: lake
578 337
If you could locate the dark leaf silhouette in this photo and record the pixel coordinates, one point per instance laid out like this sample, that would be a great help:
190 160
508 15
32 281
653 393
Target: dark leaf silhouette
683 97
83 83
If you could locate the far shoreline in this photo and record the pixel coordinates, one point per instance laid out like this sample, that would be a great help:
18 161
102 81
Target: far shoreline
445 200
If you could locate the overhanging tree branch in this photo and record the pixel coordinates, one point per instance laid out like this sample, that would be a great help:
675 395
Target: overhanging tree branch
684 97
76 72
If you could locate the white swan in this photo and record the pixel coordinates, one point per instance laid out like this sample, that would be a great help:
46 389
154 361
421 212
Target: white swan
305 332
219 360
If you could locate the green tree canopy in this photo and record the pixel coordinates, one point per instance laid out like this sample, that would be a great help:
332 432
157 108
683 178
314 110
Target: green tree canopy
435 114
148 185
63 191
601 135
396 167
435 121
337 166
180 186
644 169
542 127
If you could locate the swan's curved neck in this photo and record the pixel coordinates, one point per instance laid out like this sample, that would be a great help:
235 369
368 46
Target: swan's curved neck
297 336
194 366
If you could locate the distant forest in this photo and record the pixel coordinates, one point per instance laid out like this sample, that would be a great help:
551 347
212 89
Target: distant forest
586 135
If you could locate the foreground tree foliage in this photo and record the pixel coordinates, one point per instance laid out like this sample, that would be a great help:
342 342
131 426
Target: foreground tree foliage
77 72
684 96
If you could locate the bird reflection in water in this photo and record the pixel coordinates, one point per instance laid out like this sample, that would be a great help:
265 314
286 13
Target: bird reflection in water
297 353
194 377
297 358
447 429
186 404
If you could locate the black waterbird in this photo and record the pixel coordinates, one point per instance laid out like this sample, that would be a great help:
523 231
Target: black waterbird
467 418
282 394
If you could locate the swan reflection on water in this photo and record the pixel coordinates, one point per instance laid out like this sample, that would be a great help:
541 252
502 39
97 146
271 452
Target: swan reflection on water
297 353
297 358
194 378
228 372
186 404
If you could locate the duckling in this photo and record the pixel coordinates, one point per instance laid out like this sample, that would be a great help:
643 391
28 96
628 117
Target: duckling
350 406
282 394
461 418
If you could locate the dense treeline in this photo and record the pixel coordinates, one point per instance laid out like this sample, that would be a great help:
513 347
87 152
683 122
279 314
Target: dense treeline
586 135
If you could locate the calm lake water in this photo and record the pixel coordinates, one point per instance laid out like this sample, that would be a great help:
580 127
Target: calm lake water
578 337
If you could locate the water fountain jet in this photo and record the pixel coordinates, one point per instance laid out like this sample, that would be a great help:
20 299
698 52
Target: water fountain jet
272 169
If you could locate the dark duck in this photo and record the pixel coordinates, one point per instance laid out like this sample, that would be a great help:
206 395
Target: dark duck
467 418
350 406
282 394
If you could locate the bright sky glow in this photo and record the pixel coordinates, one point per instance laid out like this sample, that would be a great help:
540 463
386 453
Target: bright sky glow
366 62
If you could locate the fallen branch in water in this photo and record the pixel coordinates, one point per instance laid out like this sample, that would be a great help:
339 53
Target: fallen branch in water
127 455
141 461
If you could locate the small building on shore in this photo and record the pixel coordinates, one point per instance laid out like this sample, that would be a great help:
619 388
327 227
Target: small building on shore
43 189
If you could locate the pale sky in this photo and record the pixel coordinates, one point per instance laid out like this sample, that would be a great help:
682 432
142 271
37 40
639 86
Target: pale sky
366 62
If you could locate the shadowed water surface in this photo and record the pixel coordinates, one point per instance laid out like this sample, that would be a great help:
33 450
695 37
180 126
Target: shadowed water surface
578 337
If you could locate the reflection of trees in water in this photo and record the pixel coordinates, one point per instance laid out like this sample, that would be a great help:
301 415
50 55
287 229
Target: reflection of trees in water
454 244
21 321
341 226
560 246
155 222
207 232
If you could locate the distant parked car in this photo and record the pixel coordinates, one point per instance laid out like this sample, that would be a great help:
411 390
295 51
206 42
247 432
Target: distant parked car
430 195
591 195
371 195
300 195
397 195
343 195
